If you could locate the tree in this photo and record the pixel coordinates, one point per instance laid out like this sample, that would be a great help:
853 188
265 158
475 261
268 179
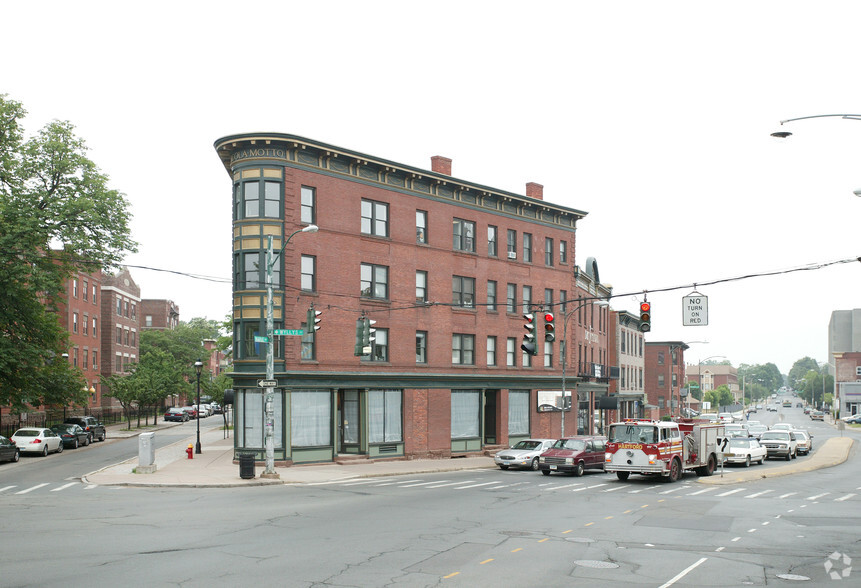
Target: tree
124 390
50 194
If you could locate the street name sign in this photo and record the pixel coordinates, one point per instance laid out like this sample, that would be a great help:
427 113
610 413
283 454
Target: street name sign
288 332
267 383
695 311
261 339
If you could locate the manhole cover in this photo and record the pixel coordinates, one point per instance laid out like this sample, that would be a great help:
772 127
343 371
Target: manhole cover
589 563
795 577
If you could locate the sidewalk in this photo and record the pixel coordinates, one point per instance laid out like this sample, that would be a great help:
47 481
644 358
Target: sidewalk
214 467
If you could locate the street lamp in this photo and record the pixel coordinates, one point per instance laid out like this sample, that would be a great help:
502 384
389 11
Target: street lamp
198 366
564 350
786 134
269 471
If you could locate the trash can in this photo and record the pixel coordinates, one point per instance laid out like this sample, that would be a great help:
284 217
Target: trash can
246 466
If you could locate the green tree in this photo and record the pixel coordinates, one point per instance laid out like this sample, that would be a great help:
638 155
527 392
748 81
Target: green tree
125 390
51 195
799 370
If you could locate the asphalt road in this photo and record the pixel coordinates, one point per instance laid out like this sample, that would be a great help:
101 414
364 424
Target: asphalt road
472 528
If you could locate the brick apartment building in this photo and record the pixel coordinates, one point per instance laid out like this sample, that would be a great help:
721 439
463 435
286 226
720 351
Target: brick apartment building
446 268
664 375
120 301
627 345
711 376
80 315
159 314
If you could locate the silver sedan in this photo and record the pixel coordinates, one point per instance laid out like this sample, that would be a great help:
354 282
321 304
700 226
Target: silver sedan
523 455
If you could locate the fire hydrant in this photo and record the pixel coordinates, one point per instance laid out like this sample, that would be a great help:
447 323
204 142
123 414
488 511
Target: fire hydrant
190 451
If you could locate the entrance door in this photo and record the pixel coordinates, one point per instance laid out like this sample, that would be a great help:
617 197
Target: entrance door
348 421
490 416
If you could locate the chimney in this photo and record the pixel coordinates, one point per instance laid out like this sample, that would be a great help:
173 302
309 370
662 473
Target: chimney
441 165
534 190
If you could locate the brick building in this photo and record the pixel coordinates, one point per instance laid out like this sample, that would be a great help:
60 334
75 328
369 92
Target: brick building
80 314
847 381
664 374
626 345
120 301
159 314
446 268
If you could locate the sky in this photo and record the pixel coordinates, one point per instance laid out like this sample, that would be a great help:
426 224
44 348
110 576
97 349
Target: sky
653 117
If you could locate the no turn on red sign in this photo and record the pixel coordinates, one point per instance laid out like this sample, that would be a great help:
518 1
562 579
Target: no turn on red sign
695 310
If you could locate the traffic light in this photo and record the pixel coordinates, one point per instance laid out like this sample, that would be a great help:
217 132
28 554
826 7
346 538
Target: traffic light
360 329
549 327
645 317
313 320
528 344
368 335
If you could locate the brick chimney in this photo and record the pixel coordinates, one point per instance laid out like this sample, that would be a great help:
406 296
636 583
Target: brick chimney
441 165
534 190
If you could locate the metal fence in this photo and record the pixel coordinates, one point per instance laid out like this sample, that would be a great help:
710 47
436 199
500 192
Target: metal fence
108 416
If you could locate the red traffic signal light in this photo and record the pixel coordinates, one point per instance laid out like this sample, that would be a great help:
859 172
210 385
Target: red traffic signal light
645 317
549 327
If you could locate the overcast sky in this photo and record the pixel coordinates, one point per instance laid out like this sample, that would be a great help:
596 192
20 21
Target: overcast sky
653 117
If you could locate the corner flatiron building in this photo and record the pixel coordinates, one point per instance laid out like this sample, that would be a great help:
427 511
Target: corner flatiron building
444 266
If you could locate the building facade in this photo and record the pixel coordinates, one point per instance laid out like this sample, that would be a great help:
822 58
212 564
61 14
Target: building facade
120 302
847 383
627 351
445 269
159 314
664 376
844 341
80 314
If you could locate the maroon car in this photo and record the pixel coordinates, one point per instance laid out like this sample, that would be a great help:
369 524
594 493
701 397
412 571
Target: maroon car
574 455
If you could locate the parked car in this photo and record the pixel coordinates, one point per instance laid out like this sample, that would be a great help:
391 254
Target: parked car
807 409
771 408
817 415
524 454
91 425
190 411
176 414
37 440
804 442
202 410
72 435
216 408
782 427
744 450
8 450
780 444
574 455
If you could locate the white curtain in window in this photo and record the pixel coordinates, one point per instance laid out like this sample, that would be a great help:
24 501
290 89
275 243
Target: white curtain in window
518 412
464 413
311 418
384 416
251 413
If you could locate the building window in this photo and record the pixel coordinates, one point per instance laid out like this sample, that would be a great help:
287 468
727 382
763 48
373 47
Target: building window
75 357
94 294
512 244
491 351
421 227
563 251
421 347
375 218
251 268
511 298
548 252
492 244
491 295
526 359
307 349
375 281
134 309
126 308
95 359
462 349
119 307
309 273
548 300
310 418
385 416
527 247
118 365
86 361
465 414
85 324
85 290
548 354
518 412
510 351
463 235
379 347
660 380
421 286
563 298
463 291
148 320
74 322
527 299
250 347
309 205
660 358
95 333
75 287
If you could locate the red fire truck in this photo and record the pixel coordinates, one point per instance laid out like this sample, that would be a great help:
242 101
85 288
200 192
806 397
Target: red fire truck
664 448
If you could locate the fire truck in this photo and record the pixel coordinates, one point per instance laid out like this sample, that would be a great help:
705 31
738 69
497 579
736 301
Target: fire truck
665 448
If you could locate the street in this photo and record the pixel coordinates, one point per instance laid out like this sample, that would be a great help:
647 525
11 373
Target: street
471 528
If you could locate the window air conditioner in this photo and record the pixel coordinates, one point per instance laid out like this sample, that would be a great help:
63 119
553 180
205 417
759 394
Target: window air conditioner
512 255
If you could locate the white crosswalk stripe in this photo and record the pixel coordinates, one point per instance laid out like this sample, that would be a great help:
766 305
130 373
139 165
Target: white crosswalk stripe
847 497
36 487
63 487
7 488
818 496
730 492
758 494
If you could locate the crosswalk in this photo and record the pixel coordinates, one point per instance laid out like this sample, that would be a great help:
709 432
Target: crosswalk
65 485
661 489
